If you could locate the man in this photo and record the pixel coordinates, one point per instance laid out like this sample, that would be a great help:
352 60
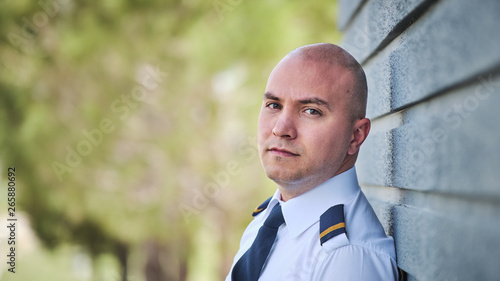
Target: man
318 225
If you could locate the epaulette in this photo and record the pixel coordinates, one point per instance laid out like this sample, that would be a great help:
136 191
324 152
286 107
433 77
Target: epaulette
331 223
261 207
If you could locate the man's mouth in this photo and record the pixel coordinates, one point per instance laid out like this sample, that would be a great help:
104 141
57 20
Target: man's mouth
282 152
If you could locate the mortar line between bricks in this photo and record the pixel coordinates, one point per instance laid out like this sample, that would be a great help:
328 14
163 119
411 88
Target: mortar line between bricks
471 80
353 15
400 27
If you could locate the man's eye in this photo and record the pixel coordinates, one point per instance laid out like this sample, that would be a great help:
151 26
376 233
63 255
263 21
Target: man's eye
273 105
312 111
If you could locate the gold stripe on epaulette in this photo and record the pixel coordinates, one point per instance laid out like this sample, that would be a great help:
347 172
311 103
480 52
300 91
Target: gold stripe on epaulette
331 228
257 210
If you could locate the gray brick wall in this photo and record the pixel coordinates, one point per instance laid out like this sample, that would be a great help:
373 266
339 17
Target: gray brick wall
431 165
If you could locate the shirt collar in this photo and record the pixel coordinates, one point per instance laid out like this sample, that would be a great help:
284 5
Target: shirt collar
304 210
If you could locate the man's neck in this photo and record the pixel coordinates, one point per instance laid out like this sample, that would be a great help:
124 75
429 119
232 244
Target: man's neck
295 189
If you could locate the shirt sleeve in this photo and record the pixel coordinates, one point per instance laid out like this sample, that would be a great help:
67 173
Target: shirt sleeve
355 263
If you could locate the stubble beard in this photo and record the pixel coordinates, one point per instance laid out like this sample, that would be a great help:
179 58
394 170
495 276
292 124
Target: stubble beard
291 180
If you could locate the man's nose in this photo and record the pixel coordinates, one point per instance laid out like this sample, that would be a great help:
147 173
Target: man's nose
285 126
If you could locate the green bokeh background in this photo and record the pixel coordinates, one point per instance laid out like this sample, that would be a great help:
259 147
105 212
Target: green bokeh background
132 128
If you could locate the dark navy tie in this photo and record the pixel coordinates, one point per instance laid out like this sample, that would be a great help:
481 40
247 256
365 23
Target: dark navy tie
249 266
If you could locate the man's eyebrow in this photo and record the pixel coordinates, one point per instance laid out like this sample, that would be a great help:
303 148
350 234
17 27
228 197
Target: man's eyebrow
317 101
313 100
270 96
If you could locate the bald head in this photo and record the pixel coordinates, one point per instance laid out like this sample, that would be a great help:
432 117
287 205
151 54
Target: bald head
337 57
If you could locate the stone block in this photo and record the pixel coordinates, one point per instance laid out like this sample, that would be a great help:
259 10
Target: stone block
449 143
374 165
378 77
440 245
452 43
438 236
376 22
347 8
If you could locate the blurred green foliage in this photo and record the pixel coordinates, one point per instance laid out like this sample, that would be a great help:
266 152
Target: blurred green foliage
132 126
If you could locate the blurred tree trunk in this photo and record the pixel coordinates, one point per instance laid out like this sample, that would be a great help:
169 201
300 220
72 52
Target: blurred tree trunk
122 255
153 268
163 263
183 267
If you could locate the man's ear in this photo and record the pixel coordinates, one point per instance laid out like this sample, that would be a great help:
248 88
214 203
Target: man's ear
360 131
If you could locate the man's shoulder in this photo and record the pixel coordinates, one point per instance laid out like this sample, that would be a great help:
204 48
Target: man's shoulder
362 247
365 230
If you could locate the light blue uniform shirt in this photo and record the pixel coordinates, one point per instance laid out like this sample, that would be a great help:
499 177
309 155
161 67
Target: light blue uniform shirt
365 252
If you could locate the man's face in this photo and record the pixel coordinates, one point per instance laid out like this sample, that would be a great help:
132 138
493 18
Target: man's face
304 129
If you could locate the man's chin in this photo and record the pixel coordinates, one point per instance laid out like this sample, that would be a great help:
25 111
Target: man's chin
283 177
